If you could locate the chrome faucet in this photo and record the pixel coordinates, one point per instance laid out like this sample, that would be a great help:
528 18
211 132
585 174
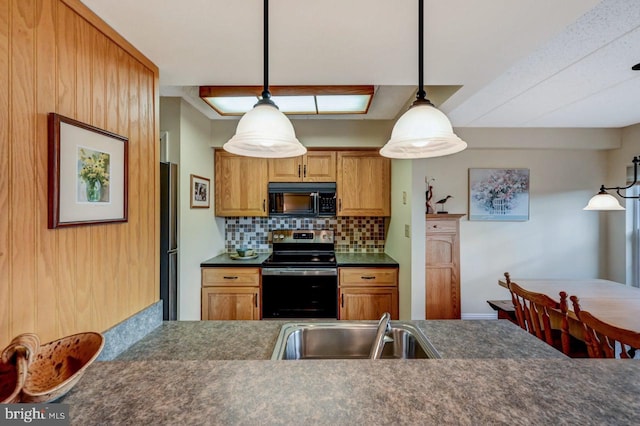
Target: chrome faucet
384 327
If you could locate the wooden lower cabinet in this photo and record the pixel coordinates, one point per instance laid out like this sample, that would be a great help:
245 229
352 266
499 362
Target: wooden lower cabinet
442 266
230 294
367 293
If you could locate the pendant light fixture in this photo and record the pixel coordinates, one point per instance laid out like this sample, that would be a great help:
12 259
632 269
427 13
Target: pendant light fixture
265 131
423 131
605 202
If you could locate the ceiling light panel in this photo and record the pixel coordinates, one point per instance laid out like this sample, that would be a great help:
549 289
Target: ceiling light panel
295 104
341 104
307 100
236 105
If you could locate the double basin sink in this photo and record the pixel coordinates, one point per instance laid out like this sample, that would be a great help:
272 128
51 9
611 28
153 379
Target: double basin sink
350 340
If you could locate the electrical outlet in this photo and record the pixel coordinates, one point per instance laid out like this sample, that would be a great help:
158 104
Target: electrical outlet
407 231
404 197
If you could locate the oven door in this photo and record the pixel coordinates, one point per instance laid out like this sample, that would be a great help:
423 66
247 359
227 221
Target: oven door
299 293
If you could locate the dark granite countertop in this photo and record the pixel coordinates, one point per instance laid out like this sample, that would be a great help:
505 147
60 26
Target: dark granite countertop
340 392
365 259
343 259
243 340
224 260
218 372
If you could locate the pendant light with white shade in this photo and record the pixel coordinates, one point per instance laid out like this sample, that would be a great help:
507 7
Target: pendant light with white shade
423 131
604 201
265 131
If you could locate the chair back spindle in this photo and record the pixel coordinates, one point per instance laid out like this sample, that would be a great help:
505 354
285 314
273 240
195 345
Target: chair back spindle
533 313
601 337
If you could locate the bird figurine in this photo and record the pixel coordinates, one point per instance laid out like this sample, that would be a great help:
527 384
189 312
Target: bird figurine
441 203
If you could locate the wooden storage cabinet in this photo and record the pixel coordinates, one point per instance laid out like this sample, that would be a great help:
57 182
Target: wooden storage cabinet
240 185
230 293
314 166
367 293
442 266
363 184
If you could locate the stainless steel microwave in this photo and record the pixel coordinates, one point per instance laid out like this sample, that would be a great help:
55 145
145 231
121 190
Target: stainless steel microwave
310 199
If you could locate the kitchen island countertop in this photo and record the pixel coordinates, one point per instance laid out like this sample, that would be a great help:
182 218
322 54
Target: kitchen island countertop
218 372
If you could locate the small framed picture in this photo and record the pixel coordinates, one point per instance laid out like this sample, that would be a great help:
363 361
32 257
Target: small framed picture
200 196
87 176
499 194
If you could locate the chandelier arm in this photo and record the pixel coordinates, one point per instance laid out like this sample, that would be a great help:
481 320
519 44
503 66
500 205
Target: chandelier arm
635 161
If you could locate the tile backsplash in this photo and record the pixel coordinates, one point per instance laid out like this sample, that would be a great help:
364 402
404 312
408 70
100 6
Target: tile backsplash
352 234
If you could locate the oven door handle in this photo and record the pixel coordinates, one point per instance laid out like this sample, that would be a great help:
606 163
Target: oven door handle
299 272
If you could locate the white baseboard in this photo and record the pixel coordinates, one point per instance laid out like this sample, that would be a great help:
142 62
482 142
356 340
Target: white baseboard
490 316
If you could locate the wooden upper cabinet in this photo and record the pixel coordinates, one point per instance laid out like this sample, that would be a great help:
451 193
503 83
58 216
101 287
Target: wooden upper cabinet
314 166
363 184
240 185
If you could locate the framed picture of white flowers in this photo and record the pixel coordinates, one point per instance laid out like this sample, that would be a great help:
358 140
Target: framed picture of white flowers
88 174
499 194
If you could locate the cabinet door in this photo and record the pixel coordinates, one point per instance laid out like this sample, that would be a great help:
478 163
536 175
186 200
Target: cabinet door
319 166
364 303
241 185
285 169
363 184
230 303
442 280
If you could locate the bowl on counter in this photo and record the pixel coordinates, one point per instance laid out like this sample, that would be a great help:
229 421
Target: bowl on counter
244 252
14 365
59 365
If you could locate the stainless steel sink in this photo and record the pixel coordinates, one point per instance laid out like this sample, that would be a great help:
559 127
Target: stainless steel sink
349 340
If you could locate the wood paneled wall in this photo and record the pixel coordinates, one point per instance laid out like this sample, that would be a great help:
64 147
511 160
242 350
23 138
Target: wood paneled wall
57 56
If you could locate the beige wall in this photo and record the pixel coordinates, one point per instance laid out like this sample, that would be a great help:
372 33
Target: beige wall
56 56
201 234
618 250
397 245
559 240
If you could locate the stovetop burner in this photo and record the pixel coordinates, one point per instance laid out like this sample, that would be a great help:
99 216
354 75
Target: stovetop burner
300 248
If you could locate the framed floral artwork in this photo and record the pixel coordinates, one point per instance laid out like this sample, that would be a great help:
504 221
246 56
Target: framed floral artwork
88 174
499 194
200 197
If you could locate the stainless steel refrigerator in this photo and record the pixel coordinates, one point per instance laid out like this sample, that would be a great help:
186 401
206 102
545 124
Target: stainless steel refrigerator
169 240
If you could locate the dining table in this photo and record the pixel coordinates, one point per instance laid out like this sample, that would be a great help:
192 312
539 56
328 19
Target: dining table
615 303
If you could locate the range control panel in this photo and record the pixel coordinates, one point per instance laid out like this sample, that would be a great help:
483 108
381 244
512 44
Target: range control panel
302 236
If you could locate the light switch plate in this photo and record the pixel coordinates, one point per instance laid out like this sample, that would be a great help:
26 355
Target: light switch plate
407 231
404 197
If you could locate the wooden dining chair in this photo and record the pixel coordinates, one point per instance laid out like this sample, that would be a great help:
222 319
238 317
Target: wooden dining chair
601 337
533 314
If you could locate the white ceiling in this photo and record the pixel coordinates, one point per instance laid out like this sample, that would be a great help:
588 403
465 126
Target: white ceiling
525 63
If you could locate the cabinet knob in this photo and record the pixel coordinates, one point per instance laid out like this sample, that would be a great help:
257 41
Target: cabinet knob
298 170
264 205
305 171
368 278
230 278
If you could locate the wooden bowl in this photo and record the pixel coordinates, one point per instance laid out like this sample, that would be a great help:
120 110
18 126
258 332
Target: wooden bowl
12 377
59 365
14 365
